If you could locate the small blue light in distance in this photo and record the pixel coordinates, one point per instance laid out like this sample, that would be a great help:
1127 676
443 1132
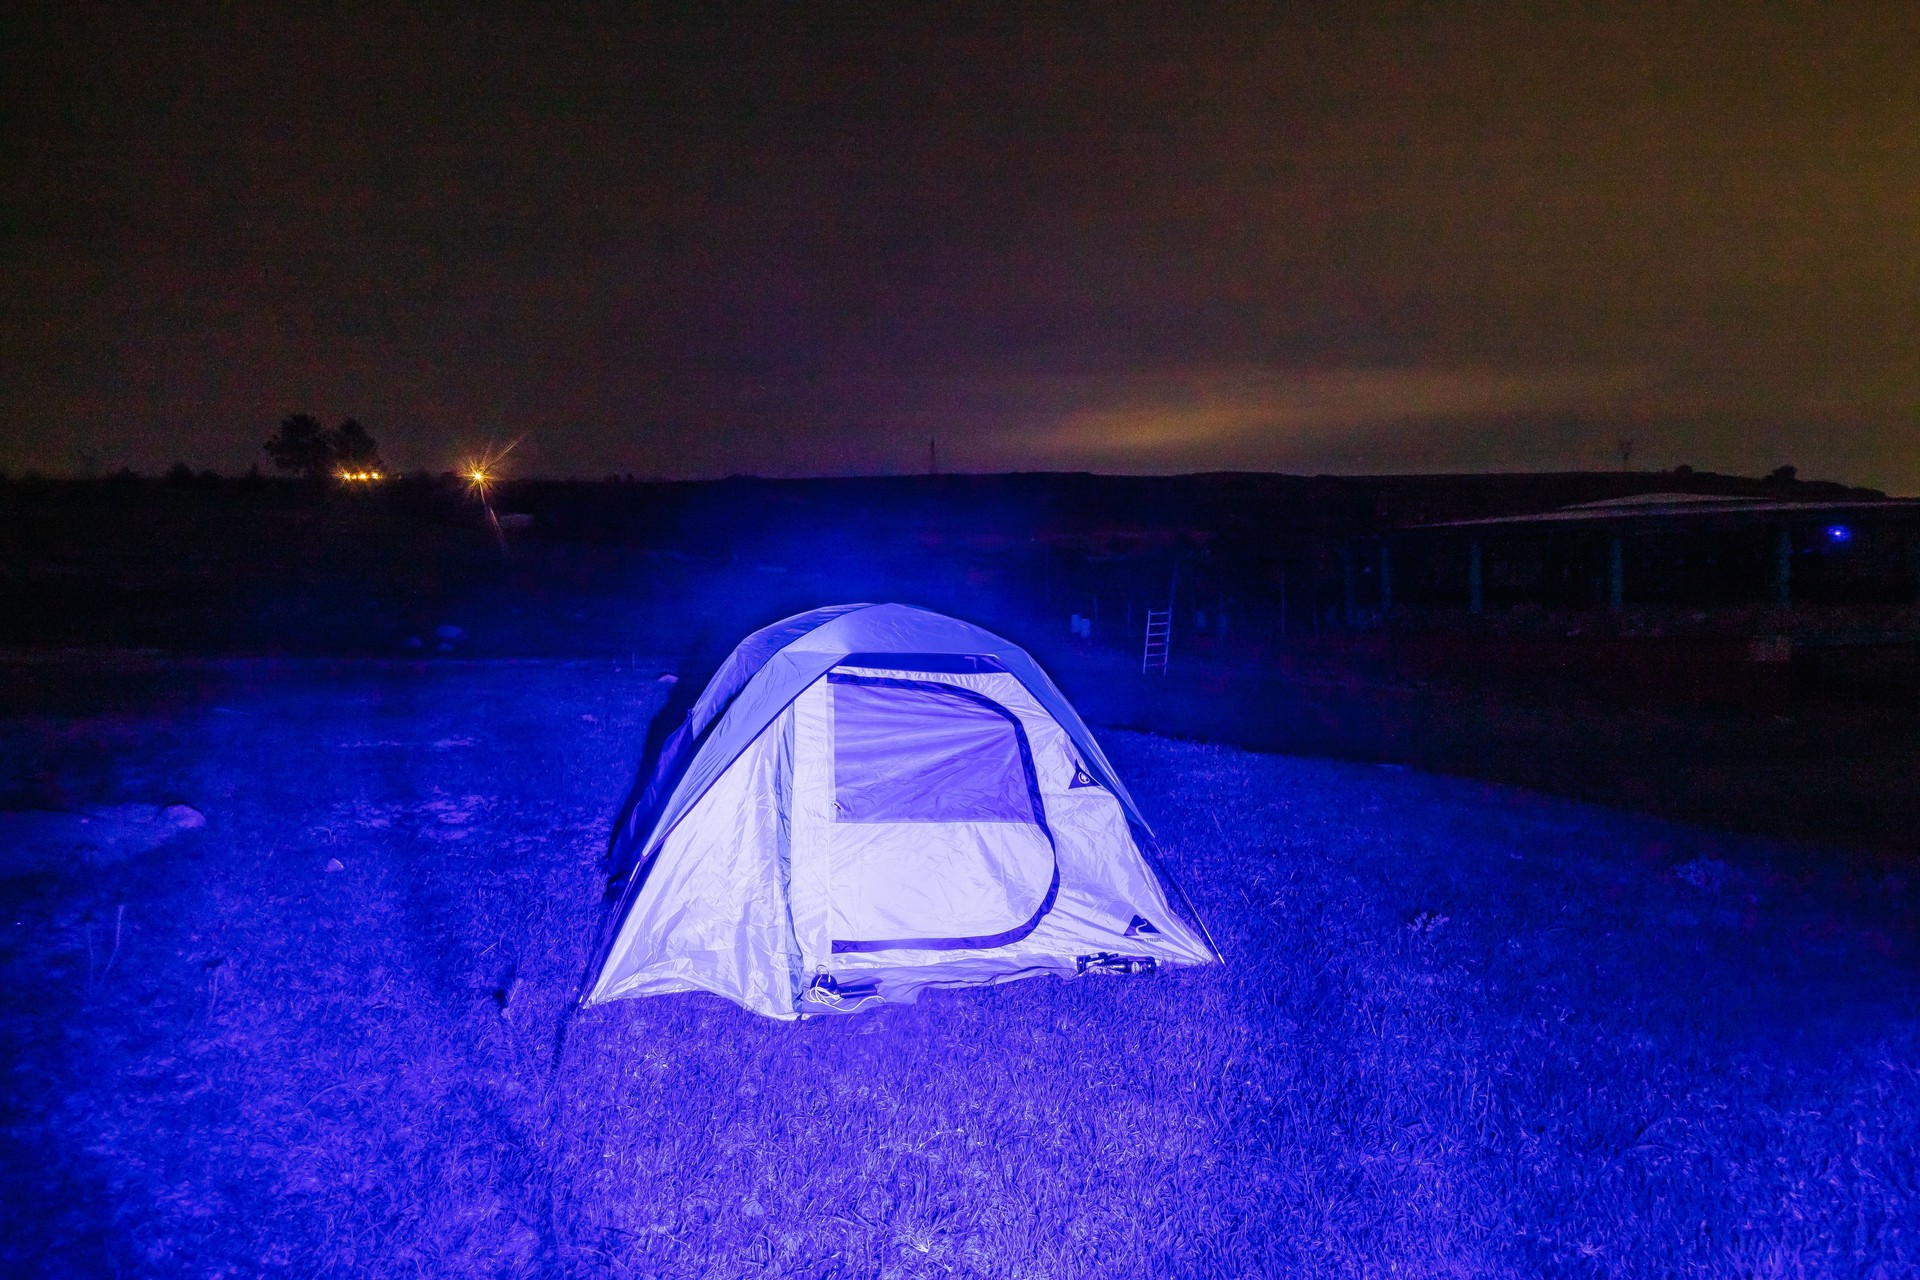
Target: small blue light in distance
1839 533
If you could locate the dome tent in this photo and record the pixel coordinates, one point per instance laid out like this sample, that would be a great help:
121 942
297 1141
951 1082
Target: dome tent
868 800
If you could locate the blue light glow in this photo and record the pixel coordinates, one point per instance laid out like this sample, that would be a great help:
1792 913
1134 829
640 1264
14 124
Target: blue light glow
1839 533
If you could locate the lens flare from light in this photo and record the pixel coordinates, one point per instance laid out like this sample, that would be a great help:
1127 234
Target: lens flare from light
483 472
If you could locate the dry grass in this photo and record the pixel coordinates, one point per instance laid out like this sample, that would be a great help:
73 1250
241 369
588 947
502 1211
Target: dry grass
1466 1031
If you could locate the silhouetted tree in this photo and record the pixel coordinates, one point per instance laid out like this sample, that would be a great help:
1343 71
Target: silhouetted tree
302 446
180 474
353 447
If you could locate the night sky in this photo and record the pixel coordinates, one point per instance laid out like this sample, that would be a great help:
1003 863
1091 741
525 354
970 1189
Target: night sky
801 241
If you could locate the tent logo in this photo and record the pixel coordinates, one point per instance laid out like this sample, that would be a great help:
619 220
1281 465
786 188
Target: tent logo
1081 778
1139 925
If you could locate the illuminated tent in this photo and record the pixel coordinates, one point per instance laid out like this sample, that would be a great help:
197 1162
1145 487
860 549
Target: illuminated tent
869 800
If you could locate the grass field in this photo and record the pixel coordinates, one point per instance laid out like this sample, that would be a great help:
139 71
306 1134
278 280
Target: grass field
1465 1031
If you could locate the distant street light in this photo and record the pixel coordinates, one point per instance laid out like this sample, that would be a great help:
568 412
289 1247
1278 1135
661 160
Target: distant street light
480 481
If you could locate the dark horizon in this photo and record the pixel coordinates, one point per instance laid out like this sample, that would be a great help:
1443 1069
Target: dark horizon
1335 239
1684 475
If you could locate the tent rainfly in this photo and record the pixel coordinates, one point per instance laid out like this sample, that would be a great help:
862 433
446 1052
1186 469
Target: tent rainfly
869 800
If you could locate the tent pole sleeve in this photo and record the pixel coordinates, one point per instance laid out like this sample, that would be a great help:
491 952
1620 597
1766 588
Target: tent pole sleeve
1150 849
602 940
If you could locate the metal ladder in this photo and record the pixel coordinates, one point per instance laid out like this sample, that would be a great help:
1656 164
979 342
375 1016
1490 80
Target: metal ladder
1159 639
